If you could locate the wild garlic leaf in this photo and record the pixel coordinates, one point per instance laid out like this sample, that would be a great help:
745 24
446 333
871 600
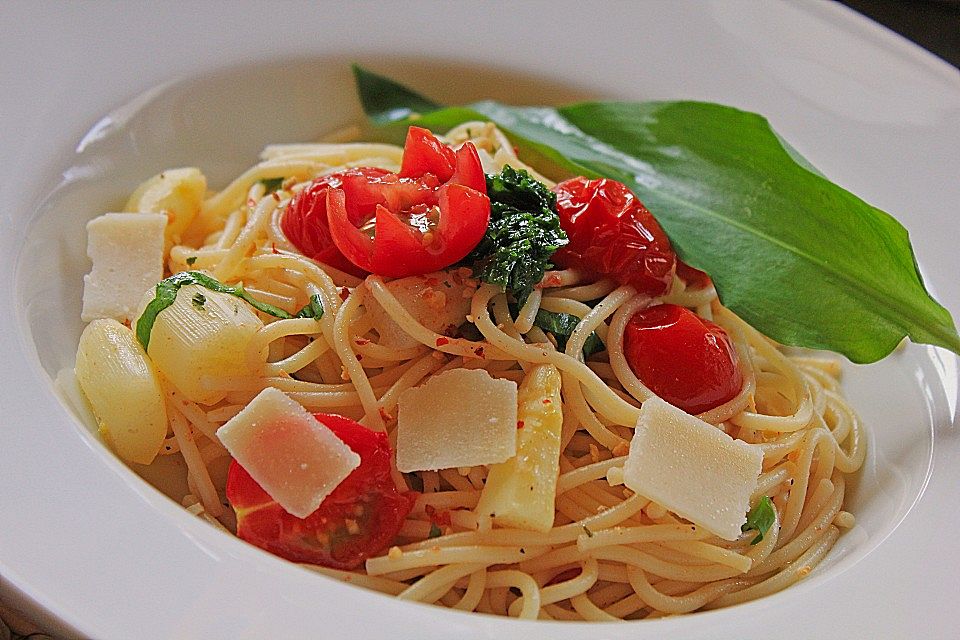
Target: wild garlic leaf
562 325
166 291
801 259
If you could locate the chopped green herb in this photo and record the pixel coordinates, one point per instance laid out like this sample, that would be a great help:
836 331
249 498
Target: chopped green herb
313 309
191 261
760 518
272 184
435 531
524 232
586 530
166 295
199 300
561 325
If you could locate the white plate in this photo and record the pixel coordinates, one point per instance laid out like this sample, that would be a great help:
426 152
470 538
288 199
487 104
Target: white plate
102 551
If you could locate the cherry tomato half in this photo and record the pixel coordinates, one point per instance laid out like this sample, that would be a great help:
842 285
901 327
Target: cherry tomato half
613 235
686 360
428 216
357 520
305 220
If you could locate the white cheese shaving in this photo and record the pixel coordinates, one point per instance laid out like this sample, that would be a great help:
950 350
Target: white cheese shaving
295 458
692 468
460 418
127 254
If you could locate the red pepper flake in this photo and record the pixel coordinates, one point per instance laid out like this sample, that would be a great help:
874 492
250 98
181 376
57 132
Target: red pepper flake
386 416
479 352
344 294
359 357
361 341
441 341
552 280
276 196
519 424
547 401
273 247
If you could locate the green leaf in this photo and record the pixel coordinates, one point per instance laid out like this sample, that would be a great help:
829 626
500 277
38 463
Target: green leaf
801 259
562 325
166 294
271 184
385 101
760 518
523 233
435 531
313 309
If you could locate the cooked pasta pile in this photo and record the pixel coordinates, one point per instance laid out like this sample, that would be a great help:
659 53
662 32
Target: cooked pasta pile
611 554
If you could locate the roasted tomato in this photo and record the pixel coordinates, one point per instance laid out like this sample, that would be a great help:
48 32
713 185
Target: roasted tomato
428 216
613 235
686 360
356 521
694 278
305 220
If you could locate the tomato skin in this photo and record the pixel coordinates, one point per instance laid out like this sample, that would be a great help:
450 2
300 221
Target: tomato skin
366 502
423 153
450 207
684 359
694 278
613 235
304 221
468 171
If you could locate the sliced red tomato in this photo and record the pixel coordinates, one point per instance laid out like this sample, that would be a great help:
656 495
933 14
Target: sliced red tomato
613 235
423 153
686 360
419 223
358 520
694 278
305 220
421 238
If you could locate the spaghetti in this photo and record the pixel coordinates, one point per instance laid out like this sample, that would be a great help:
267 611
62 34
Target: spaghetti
611 554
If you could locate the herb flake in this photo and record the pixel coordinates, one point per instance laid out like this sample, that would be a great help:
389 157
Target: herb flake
313 309
760 518
271 184
562 325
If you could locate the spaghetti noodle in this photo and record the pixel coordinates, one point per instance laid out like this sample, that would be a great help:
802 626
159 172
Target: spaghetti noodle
611 554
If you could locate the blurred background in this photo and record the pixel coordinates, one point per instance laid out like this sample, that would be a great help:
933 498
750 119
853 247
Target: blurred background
933 24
